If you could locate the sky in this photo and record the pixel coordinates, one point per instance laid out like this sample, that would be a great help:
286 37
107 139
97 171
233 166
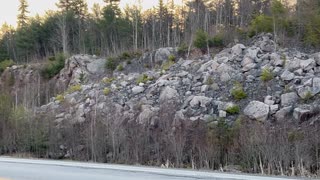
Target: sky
9 8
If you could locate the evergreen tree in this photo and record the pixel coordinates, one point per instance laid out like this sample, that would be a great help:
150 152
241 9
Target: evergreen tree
23 13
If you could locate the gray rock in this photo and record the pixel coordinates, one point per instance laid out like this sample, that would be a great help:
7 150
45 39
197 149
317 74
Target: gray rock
307 64
225 77
137 90
283 113
316 85
168 94
257 110
246 61
316 57
201 101
274 108
222 114
304 91
268 100
249 67
287 76
293 64
97 66
237 49
162 55
289 99
303 113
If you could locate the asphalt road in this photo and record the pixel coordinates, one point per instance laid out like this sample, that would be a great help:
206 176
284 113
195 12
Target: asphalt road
25 169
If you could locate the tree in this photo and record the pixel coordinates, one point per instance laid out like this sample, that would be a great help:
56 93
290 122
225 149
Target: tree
23 13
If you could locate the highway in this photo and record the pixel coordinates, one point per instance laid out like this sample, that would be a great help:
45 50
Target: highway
30 169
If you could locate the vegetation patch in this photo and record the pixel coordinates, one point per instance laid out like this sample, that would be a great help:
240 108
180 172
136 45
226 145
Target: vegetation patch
74 88
144 78
108 80
106 91
54 67
166 65
4 64
60 98
111 64
182 49
266 75
235 109
237 92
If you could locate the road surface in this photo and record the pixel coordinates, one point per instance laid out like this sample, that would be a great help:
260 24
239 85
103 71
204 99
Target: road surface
26 169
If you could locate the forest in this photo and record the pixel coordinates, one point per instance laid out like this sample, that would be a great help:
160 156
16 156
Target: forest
110 31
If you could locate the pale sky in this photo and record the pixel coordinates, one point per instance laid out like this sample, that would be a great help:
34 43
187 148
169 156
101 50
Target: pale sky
9 8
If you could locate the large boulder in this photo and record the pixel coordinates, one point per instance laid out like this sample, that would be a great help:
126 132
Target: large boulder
283 113
137 90
307 64
316 85
289 99
304 113
237 49
287 76
168 94
162 55
97 66
257 110
201 101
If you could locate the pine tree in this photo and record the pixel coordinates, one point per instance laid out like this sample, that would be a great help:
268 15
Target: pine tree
22 17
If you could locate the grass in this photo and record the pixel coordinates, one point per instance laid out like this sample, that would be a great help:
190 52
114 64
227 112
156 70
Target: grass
166 65
235 109
111 64
237 92
120 68
266 75
106 91
74 88
60 98
4 64
143 79
108 80
307 96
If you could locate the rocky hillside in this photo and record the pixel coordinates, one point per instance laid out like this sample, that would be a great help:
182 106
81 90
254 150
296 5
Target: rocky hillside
251 81
158 109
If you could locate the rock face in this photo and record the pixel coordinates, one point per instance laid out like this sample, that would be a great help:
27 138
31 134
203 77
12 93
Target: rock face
227 86
257 110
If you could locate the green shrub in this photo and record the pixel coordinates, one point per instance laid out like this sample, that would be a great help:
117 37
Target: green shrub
111 64
172 58
52 58
237 92
4 64
74 88
128 61
182 49
120 68
82 78
125 55
261 23
307 96
235 109
266 75
166 65
54 67
60 98
209 81
143 79
107 80
216 41
106 91
201 40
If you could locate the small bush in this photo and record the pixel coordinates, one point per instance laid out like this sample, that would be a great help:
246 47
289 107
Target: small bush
201 40
143 79
106 91
125 55
54 68
235 109
120 68
209 81
182 49
52 58
166 65
107 80
129 62
216 41
172 58
111 64
74 88
238 92
307 96
266 75
82 78
4 64
60 98
261 23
